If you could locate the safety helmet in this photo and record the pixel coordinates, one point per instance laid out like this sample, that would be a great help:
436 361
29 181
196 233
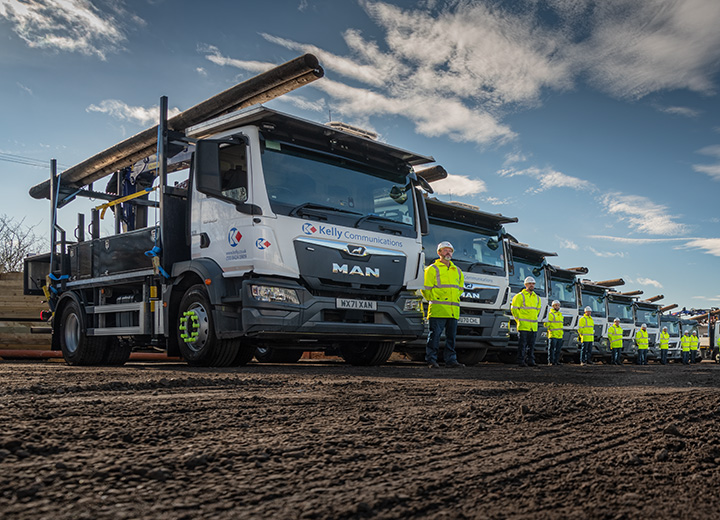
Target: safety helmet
664 328
555 302
529 279
616 320
444 244
643 326
588 309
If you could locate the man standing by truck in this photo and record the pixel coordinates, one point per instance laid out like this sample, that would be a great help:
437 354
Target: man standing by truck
694 343
641 340
615 337
444 283
685 344
664 344
554 328
525 308
586 333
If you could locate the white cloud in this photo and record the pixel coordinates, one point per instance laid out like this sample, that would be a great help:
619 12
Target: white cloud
713 170
303 5
201 71
568 244
125 112
605 254
548 179
638 241
459 185
680 111
214 55
304 104
494 201
649 281
24 88
67 25
514 157
642 214
710 245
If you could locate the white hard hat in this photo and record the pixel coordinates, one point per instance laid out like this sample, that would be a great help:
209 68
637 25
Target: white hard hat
616 320
588 309
555 302
445 244
643 326
664 328
529 279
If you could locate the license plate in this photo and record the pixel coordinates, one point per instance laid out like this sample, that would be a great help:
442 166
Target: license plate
468 320
365 305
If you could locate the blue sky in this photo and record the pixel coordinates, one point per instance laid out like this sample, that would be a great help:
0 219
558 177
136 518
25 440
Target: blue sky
596 123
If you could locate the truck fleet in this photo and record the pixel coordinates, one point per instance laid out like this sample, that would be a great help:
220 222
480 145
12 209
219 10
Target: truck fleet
283 236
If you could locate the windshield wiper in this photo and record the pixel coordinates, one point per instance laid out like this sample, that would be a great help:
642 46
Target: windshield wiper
373 216
298 210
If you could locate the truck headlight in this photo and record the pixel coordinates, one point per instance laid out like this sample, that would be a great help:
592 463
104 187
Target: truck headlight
266 293
413 304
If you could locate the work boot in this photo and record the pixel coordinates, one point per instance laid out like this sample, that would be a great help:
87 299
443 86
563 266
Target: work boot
454 365
433 365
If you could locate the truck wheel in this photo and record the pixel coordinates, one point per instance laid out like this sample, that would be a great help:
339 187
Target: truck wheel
274 355
117 352
367 353
244 354
79 349
199 345
471 356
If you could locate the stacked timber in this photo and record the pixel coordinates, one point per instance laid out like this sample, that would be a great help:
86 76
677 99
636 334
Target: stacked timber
20 316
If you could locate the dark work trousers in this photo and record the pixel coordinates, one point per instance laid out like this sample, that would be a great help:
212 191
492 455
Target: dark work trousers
616 356
586 352
663 356
526 347
554 347
433 343
686 357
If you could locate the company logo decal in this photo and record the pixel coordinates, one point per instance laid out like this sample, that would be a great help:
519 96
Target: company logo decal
261 243
234 237
309 229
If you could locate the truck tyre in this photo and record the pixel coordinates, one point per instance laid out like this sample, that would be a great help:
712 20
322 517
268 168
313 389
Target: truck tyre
471 356
244 354
274 355
79 349
199 345
117 352
367 353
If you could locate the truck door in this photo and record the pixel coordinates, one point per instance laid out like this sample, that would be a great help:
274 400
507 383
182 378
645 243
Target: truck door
222 208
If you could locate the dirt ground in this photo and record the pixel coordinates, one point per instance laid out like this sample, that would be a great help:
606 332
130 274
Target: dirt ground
326 440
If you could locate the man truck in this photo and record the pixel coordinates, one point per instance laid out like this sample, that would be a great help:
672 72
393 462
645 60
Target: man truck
287 234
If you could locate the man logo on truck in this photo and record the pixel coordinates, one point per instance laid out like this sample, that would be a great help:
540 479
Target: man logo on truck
309 229
356 250
234 237
355 270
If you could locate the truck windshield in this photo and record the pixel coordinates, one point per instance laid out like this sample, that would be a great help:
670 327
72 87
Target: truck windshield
524 268
563 291
620 310
475 250
595 301
673 327
307 184
647 316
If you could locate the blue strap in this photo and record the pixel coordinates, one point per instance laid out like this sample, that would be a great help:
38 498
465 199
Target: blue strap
155 251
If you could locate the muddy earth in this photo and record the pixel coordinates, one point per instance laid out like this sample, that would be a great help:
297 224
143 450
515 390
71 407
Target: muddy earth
322 439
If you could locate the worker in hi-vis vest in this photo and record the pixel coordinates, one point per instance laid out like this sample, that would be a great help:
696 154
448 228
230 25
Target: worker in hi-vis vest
554 326
642 340
694 344
664 345
586 336
615 337
685 345
525 308
444 283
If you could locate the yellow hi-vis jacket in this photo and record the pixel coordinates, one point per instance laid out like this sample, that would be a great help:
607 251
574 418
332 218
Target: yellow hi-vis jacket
586 329
694 342
664 340
685 343
615 335
443 287
554 324
525 308
641 338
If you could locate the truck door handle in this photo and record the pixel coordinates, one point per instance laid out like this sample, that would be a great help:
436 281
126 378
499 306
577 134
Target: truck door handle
204 240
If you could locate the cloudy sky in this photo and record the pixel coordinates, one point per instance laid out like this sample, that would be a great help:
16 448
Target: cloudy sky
596 123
